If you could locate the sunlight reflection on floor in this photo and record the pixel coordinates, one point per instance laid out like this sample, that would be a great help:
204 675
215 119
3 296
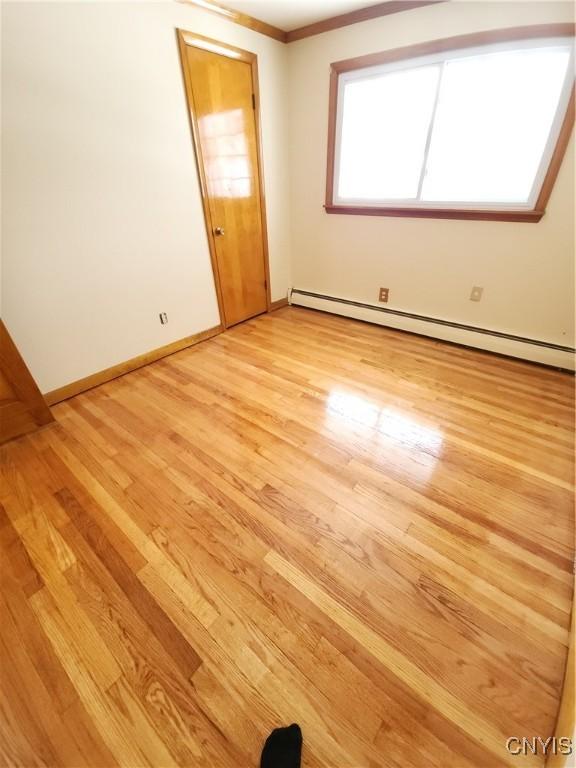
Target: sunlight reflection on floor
389 422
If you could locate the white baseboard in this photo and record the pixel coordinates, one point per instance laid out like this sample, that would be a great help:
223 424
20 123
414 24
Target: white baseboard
535 350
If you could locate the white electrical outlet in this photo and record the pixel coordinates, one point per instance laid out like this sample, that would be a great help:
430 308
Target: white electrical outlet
476 293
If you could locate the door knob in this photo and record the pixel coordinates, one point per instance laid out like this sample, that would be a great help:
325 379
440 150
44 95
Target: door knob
219 231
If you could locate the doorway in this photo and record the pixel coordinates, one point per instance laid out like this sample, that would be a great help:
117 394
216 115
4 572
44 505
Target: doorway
223 99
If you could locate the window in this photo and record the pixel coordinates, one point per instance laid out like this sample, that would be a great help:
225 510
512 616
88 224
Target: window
460 128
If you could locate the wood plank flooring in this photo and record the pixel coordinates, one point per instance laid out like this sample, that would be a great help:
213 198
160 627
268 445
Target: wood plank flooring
303 519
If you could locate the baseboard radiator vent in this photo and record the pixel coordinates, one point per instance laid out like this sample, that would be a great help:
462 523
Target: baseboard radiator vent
535 350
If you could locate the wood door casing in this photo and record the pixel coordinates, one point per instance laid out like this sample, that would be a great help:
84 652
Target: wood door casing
221 85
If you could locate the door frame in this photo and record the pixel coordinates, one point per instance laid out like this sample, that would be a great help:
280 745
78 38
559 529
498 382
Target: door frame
191 39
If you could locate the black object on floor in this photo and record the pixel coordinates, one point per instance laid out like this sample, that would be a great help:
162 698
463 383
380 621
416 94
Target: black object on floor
283 748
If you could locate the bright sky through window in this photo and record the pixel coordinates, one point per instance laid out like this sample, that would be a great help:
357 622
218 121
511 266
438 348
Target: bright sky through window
470 128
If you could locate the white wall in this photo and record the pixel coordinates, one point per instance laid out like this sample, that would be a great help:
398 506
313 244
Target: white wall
102 218
430 265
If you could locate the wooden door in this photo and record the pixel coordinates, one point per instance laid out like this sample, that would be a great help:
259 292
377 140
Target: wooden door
222 89
22 407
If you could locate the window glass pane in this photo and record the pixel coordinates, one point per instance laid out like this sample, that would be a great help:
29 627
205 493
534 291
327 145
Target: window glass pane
385 122
492 123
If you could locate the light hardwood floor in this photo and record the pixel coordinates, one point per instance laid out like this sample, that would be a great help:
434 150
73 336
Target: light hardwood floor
303 519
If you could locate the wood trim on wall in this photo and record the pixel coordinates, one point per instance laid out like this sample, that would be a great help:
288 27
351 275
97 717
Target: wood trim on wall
331 151
243 19
260 158
439 46
186 38
354 17
533 216
95 379
471 40
318 27
558 155
278 304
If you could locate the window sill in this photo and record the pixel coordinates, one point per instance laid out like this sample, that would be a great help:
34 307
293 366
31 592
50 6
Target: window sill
438 213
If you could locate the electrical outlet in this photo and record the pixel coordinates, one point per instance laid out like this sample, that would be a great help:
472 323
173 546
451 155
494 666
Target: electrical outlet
476 293
383 295
163 318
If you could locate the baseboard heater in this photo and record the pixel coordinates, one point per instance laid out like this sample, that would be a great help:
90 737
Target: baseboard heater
555 354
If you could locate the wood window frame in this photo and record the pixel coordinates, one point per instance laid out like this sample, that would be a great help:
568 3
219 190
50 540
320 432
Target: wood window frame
187 38
511 34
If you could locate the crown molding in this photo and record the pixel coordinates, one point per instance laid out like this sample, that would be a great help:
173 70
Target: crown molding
353 17
326 25
243 19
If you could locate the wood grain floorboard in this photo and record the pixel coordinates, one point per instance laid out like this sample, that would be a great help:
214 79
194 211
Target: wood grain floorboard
308 519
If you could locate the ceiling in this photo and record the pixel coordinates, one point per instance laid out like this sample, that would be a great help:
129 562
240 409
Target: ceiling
291 14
